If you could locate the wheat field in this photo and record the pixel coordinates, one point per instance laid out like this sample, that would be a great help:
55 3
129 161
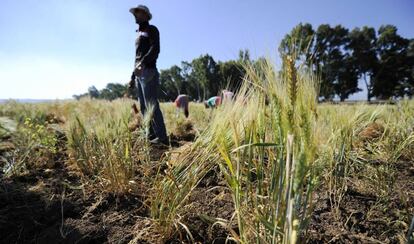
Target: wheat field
272 166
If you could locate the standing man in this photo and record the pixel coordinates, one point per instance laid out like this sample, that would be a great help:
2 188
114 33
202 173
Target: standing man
145 77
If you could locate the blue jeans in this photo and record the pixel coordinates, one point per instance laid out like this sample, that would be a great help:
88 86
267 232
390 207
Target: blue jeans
147 88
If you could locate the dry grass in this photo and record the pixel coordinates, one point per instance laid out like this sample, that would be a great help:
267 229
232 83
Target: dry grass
273 146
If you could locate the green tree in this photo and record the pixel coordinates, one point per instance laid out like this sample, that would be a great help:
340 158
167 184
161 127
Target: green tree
333 63
364 53
168 86
192 86
409 86
204 71
203 77
393 73
347 79
93 92
113 91
231 74
298 43
244 57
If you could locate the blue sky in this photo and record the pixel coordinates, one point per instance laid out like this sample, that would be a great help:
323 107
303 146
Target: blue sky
56 48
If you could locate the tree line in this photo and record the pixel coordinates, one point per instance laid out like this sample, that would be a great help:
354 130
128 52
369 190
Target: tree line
110 92
381 58
201 78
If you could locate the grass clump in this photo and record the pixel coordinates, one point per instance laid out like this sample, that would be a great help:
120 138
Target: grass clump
264 144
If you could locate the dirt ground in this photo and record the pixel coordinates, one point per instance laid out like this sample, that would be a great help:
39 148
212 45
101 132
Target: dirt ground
363 217
52 206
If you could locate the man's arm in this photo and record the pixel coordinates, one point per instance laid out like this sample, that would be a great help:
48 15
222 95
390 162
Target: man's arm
131 84
154 50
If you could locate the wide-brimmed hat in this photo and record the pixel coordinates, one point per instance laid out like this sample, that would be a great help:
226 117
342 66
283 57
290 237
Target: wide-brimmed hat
141 8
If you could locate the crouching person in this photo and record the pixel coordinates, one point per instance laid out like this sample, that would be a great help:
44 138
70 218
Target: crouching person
213 102
227 96
181 103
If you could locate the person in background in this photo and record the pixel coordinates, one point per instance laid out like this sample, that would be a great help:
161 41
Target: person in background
181 102
213 102
145 77
227 96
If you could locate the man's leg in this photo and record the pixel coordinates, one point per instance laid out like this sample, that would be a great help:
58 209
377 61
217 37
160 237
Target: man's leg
150 85
185 106
143 106
140 95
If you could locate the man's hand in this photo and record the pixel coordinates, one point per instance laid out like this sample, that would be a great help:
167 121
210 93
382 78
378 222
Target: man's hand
131 84
138 69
